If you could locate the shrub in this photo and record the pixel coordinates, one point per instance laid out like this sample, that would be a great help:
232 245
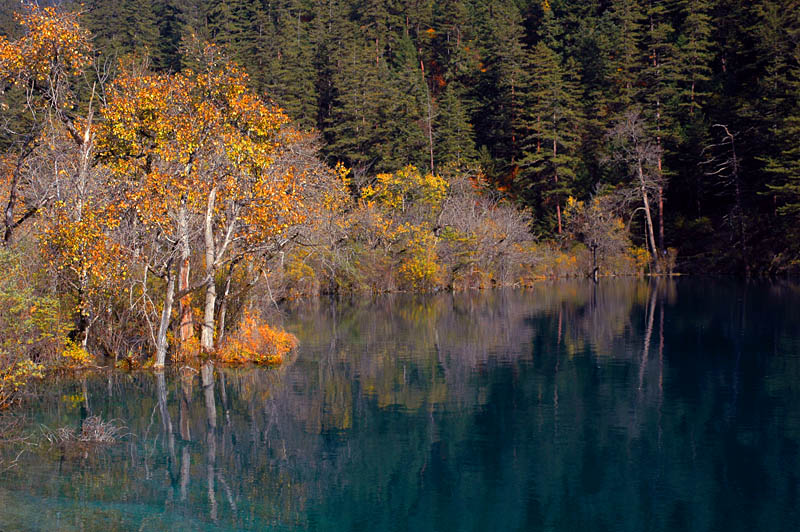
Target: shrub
255 342
33 331
15 377
74 356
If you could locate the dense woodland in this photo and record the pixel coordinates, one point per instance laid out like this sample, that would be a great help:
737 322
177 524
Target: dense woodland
154 181
549 99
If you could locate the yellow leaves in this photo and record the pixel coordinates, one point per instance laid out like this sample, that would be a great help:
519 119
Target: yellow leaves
53 44
181 135
406 187
81 245
74 356
14 377
640 257
419 269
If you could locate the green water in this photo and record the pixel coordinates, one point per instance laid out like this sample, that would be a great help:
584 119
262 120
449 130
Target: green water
625 406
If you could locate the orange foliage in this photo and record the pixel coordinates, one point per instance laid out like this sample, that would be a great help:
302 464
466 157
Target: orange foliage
256 343
83 249
175 137
195 153
53 45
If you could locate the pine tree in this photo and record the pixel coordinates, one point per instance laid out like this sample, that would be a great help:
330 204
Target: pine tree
295 89
553 117
234 25
660 99
134 28
695 53
414 111
169 42
785 167
355 129
455 142
501 90
626 56
783 84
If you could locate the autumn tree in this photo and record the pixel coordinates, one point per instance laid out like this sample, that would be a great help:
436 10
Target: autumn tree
53 174
36 97
194 151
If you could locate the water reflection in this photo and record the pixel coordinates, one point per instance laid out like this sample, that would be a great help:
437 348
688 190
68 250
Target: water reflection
621 406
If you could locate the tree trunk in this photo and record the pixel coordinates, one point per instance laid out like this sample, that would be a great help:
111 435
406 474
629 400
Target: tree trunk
11 204
660 216
161 338
207 333
185 308
555 178
223 304
82 320
13 192
739 207
648 217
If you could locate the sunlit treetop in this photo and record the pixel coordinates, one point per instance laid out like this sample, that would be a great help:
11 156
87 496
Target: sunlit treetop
53 45
173 138
406 187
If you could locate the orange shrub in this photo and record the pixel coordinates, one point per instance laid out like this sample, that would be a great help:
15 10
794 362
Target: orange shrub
255 342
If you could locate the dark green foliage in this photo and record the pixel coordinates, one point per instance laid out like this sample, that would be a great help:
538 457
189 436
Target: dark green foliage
553 124
502 87
454 142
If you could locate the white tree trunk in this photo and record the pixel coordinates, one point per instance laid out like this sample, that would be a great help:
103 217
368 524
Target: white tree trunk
207 334
161 338
648 217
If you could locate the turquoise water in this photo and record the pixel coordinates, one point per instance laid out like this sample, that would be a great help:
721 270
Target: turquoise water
626 406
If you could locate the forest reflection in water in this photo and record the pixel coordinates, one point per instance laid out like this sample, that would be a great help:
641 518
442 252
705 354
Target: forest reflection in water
628 405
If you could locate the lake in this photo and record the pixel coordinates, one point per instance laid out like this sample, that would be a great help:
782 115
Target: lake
622 406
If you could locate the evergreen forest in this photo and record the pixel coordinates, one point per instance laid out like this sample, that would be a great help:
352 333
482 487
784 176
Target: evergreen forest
548 99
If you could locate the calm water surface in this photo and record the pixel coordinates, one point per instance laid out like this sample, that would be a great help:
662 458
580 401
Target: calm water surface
625 406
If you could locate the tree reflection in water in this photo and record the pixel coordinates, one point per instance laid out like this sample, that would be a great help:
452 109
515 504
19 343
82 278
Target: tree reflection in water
572 405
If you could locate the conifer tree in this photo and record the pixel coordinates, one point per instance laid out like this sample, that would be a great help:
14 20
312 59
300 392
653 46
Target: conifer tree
233 25
455 144
626 57
295 89
134 28
413 109
354 129
553 117
498 114
783 86
696 53
659 100
169 43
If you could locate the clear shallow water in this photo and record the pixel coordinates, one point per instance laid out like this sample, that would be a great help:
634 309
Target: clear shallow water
628 406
